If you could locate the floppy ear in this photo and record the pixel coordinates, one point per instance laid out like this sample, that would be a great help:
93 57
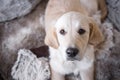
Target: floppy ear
96 35
103 8
51 38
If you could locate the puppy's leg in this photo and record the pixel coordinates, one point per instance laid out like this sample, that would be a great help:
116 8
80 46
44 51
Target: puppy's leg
87 74
56 76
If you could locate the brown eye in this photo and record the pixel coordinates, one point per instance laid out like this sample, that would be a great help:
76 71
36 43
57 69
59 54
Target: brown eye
81 31
62 31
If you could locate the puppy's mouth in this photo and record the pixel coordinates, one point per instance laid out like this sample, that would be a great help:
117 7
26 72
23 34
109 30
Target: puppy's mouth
73 59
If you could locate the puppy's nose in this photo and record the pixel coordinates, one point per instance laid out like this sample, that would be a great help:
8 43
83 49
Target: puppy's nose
72 52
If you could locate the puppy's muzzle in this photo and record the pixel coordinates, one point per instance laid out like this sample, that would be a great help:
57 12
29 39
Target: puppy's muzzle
72 52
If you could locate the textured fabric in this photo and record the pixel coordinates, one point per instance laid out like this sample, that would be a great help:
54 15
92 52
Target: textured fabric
10 9
29 67
114 12
25 32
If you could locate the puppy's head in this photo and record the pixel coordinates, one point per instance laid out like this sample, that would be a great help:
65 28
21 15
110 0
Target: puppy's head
71 35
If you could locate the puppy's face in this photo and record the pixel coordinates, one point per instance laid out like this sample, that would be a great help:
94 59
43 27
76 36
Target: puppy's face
72 33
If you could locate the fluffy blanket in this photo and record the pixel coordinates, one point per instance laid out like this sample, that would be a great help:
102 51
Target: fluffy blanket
29 67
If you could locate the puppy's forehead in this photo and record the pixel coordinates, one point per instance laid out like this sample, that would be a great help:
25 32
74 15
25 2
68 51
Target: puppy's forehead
70 19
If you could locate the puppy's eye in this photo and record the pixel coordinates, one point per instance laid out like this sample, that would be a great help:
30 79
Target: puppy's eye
81 31
62 31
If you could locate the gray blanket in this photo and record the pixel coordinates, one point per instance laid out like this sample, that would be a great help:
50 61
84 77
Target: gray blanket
114 12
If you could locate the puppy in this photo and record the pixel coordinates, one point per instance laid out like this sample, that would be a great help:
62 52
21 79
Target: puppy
72 35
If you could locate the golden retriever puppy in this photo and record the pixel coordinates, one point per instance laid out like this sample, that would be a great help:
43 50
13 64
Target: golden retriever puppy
71 35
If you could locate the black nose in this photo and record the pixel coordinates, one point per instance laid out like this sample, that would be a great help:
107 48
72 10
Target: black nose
72 52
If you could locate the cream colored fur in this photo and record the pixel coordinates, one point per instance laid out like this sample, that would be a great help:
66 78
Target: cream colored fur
72 15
